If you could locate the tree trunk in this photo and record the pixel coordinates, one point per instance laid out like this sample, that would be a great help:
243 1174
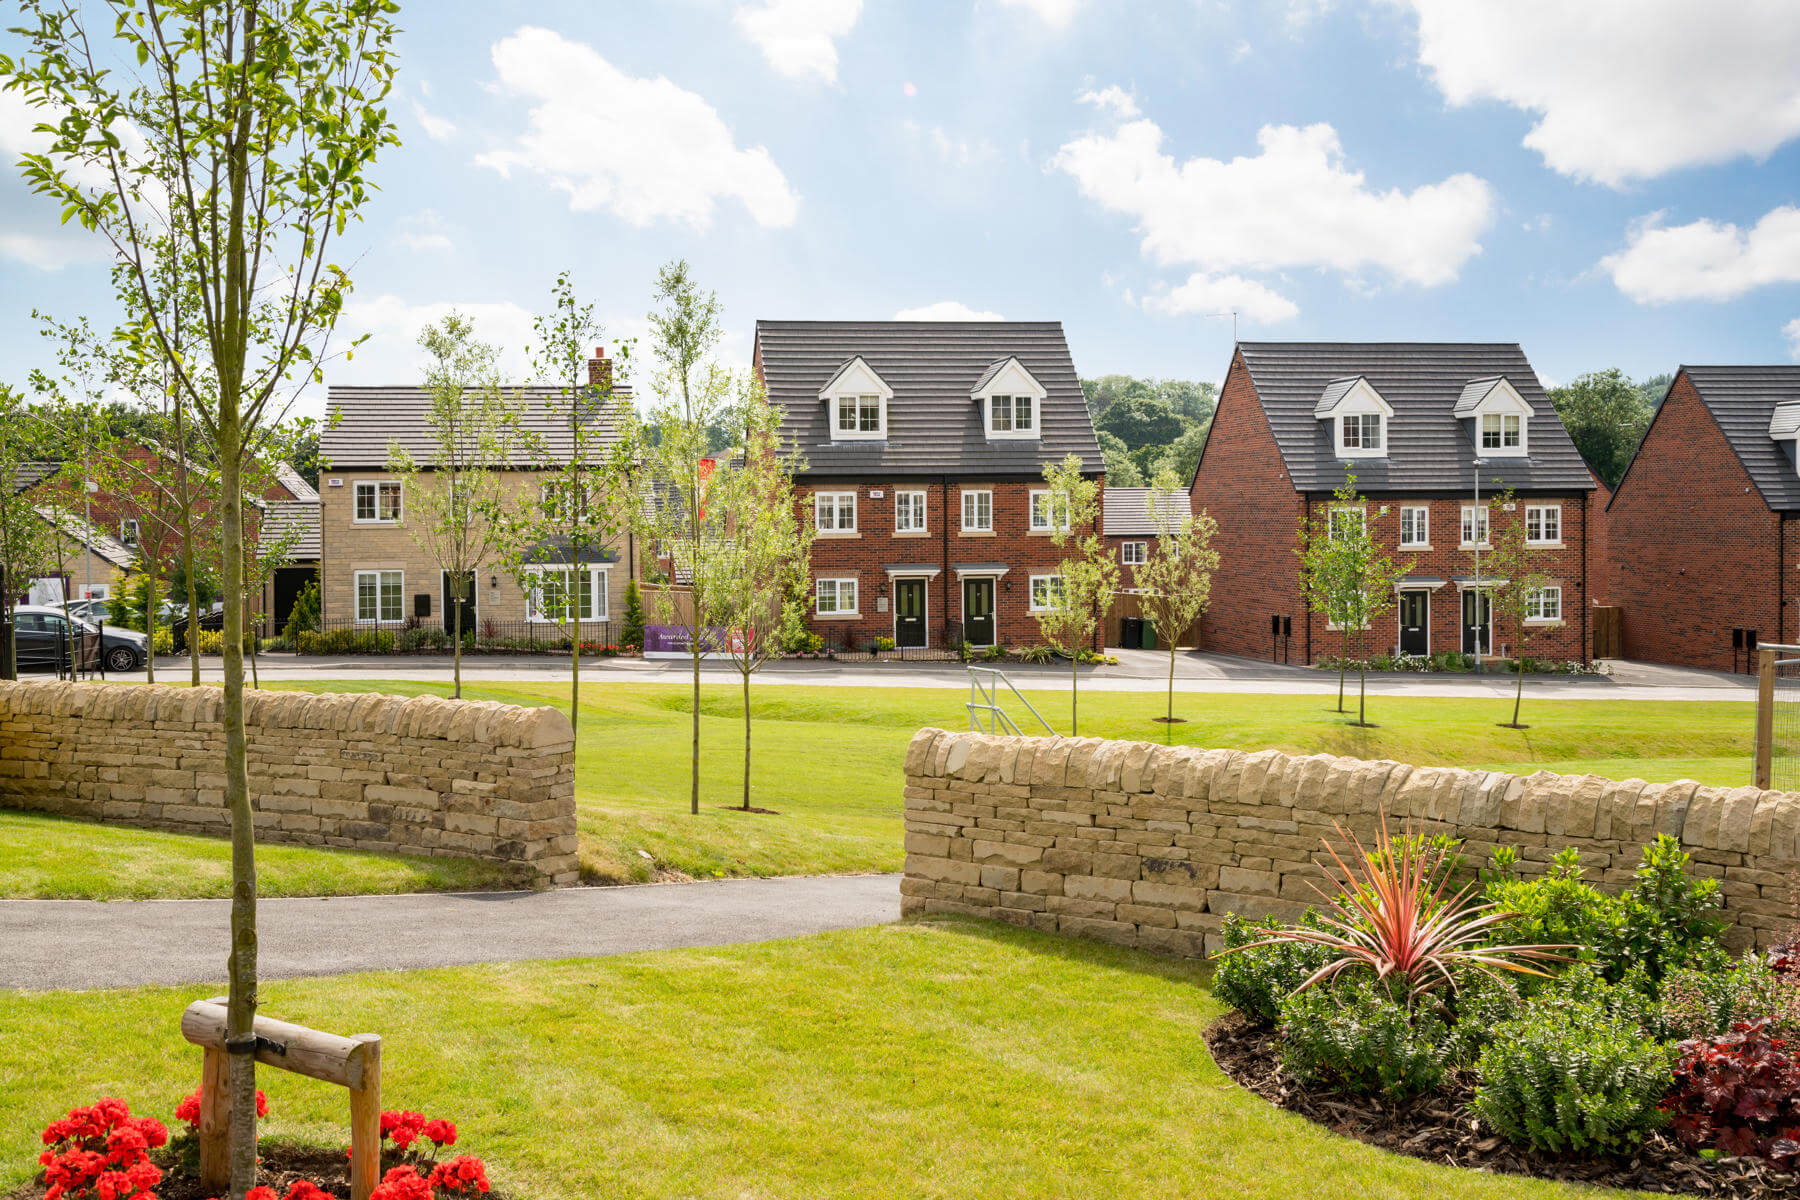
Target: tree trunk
1362 696
694 757
1519 693
1171 712
456 643
575 665
1343 666
1074 691
150 622
746 739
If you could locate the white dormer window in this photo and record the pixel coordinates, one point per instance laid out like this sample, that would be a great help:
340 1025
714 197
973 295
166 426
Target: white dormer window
1502 418
1359 417
1011 399
856 399
1784 426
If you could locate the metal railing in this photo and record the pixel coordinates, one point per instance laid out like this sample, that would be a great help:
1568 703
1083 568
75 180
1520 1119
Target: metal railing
429 636
985 699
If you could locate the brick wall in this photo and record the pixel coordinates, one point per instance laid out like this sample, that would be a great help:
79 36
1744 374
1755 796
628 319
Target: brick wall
1693 548
453 778
865 555
1151 846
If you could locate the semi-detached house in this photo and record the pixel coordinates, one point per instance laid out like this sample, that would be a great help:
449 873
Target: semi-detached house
924 445
1433 433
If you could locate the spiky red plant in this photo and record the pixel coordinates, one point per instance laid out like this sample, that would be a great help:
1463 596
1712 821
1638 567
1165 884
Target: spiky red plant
1390 915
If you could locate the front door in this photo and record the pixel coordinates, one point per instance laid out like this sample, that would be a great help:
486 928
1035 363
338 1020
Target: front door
978 612
909 613
1478 623
1415 623
463 597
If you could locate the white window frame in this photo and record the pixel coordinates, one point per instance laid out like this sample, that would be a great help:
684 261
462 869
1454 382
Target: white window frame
1543 515
858 406
1421 527
1134 554
838 584
1011 382
376 487
399 596
1040 515
1360 447
599 593
1487 529
975 494
130 531
855 383
837 503
1344 510
1359 401
1052 583
1501 402
1505 425
916 512
1010 407
1537 612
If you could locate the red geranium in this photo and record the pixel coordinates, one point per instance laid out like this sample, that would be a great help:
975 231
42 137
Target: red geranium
402 1183
461 1175
101 1152
189 1109
306 1189
439 1132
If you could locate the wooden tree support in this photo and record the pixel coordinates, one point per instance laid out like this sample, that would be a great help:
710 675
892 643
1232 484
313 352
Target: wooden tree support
349 1062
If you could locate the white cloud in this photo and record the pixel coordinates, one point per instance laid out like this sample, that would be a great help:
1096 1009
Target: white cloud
946 310
799 37
954 150
1113 99
1624 89
1296 204
437 128
425 230
1241 51
1791 331
1706 260
392 354
1057 14
50 252
1209 295
645 149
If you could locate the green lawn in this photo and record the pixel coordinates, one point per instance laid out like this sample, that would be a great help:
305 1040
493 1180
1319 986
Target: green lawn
929 1059
829 760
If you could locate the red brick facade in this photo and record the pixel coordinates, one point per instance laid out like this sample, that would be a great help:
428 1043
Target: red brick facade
1243 484
1693 548
867 554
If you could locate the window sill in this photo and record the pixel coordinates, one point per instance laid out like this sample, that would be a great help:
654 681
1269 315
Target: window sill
1045 532
1546 545
1545 623
564 620
837 534
1473 546
837 616
910 533
1417 549
372 521
976 533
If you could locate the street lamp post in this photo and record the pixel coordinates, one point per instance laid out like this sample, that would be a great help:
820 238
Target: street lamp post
1480 535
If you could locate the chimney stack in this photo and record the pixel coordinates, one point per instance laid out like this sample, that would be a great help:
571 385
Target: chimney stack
600 374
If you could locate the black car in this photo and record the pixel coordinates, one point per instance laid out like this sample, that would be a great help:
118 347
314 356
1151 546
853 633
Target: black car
45 640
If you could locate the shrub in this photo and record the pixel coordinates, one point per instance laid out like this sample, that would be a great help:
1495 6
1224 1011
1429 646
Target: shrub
1482 1005
1556 909
1738 1093
1256 981
304 616
1355 1039
1571 1074
884 643
1034 654
1669 918
634 616
995 653
1702 1003
163 640
212 641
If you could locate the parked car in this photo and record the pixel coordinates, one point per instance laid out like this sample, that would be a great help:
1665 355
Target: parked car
44 640
94 612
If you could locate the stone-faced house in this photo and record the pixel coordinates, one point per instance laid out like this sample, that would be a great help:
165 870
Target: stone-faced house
1702 537
925 444
375 574
1418 424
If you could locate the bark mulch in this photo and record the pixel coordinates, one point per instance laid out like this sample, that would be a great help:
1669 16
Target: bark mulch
1442 1128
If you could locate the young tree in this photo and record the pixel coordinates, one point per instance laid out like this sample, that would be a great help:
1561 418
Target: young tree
693 392
226 142
587 492
1345 576
765 549
1071 610
1175 581
459 508
1515 587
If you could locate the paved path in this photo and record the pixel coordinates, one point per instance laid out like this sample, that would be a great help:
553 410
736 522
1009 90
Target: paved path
51 944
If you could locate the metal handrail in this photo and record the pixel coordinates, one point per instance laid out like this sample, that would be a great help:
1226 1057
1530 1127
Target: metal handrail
989 695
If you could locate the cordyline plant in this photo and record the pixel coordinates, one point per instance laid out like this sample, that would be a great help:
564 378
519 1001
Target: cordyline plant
1391 916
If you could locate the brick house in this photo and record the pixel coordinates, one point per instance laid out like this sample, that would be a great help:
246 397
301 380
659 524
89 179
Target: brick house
1411 421
925 444
1701 534
372 571
1131 535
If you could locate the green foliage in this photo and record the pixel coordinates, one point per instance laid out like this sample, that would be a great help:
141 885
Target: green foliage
634 616
1038 654
1606 416
1352 1037
1481 1004
1255 982
130 605
1670 917
1705 1002
212 641
1345 575
1121 471
347 641
1572 1074
1554 910
304 617
884 643
1141 421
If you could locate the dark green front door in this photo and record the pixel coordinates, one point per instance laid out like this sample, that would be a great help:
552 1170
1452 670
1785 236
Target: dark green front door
1478 622
978 611
909 612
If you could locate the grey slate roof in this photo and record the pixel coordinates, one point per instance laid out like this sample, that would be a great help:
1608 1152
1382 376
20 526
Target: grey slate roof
1473 394
1429 449
1125 511
372 416
301 517
295 485
1743 401
1334 391
933 425
1786 421
30 474
104 544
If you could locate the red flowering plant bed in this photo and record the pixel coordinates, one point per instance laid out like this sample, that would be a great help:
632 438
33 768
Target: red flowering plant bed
102 1152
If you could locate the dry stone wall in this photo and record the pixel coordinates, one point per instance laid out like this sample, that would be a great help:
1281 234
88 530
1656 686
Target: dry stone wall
424 775
1151 846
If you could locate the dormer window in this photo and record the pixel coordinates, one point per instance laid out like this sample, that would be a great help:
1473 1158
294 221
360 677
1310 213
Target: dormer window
857 400
1502 431
1358 416
1784 426
1501 417
1011 399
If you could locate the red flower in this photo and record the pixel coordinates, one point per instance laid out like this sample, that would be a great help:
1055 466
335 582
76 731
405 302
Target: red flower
189 1109
463 1174
404 1127
439 1132
401 1183
305 1189
261 1191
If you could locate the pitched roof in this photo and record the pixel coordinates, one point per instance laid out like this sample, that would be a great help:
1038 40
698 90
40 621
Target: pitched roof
1125 511
361 421
301 517
1334 391
294 484
1473 393
1745 401
933 425
1429 450
105 545
30 474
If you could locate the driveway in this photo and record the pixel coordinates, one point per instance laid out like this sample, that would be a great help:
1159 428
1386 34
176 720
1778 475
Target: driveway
53 944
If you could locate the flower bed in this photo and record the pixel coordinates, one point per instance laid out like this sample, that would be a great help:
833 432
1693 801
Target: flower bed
1535 1026
102 1152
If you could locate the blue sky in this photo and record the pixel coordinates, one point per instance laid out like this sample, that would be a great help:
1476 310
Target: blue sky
1611 183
